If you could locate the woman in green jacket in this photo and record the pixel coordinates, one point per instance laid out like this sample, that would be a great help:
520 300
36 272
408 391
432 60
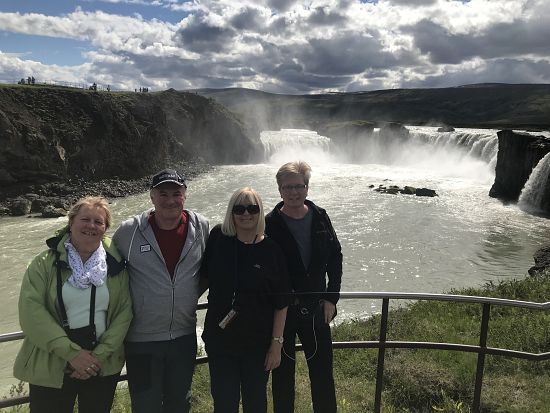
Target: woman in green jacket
75 309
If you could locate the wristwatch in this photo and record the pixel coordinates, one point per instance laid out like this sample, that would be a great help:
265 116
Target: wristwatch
279 340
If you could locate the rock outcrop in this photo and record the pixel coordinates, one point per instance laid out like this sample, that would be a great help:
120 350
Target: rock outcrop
52 134
542 260
347 138
394 131
406 190
518 154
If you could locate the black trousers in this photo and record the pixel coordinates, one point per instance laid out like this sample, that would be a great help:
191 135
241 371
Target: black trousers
95 395
317 343
232 375
160 374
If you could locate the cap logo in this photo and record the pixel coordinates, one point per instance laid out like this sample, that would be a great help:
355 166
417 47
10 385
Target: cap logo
168 175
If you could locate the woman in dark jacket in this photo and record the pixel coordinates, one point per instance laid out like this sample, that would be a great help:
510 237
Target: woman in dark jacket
247 302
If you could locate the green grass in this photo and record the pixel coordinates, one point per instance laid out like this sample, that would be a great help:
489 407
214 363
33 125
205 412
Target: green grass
418 381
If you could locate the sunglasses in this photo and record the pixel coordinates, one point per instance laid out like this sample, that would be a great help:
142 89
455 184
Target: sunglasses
252 209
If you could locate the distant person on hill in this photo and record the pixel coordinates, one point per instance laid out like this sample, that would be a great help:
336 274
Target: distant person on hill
247 302
75 310
312 252
163 247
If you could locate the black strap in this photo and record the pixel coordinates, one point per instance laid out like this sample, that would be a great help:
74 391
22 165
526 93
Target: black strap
65 319
235 271
236 268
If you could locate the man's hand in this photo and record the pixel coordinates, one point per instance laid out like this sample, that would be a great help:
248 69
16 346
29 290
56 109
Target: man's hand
329 310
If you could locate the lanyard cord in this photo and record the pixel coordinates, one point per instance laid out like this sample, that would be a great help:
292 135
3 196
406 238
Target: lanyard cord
236 269
235 272
65 319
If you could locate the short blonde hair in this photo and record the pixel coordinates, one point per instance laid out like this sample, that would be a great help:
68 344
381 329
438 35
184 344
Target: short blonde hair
247 195
95 202
294 168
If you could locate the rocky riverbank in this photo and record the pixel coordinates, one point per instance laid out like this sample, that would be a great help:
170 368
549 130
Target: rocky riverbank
54 199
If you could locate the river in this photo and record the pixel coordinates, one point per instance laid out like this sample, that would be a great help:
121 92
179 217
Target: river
398 242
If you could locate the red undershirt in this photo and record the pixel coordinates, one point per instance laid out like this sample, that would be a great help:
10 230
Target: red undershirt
170 241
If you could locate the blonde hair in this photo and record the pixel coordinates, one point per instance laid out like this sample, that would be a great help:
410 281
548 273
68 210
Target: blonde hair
95 202
294 168
247 195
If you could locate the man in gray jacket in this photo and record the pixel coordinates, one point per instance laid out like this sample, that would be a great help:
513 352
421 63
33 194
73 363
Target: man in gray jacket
163 247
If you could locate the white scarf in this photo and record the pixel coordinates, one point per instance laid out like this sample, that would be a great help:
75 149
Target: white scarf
93 271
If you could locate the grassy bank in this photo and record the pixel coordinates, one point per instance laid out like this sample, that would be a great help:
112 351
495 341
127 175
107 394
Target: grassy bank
428 380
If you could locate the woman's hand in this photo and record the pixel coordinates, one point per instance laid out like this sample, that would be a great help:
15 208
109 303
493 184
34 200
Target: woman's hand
85 365
273 356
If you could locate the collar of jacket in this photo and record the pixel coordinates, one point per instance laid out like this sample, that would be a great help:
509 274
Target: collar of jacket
316 210
115 263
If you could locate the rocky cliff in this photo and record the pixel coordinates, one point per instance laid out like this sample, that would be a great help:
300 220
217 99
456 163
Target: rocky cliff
518 154
50 134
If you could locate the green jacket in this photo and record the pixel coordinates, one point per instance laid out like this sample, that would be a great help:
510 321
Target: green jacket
46 348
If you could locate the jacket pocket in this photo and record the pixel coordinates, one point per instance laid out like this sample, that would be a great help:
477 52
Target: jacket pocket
185 308
27 357
152 314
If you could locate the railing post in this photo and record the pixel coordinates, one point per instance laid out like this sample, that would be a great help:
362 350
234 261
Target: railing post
476 407
381 355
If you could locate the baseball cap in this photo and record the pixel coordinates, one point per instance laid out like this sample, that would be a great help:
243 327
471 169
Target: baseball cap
168 175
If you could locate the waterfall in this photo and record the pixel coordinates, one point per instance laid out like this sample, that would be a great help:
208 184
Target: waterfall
478 144
293 144
530 199
465 153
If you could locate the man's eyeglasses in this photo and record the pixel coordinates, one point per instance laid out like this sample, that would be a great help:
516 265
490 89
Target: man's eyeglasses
297 187
252 209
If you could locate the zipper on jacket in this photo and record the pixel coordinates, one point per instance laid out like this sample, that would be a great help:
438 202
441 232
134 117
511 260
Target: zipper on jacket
172 312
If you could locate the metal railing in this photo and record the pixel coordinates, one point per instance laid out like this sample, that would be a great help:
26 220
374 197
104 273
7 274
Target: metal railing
382 344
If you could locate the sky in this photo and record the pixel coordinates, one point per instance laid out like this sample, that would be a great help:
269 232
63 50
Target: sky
278 46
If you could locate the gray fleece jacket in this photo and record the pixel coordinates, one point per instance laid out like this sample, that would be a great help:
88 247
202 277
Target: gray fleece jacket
164 308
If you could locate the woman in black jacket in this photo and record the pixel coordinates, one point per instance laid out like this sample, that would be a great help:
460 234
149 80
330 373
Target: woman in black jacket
247 302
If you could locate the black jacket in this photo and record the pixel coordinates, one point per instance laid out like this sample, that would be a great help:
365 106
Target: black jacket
326 255
258 276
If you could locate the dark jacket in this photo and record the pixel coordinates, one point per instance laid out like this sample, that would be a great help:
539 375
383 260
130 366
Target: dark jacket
257 274
326 255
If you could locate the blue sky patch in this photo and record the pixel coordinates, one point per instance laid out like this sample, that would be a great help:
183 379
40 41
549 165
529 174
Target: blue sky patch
47 50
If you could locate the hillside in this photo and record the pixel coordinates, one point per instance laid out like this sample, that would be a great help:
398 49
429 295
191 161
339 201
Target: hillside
53 134
485 106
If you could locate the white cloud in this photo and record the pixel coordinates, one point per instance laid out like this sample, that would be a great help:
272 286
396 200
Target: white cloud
304 46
